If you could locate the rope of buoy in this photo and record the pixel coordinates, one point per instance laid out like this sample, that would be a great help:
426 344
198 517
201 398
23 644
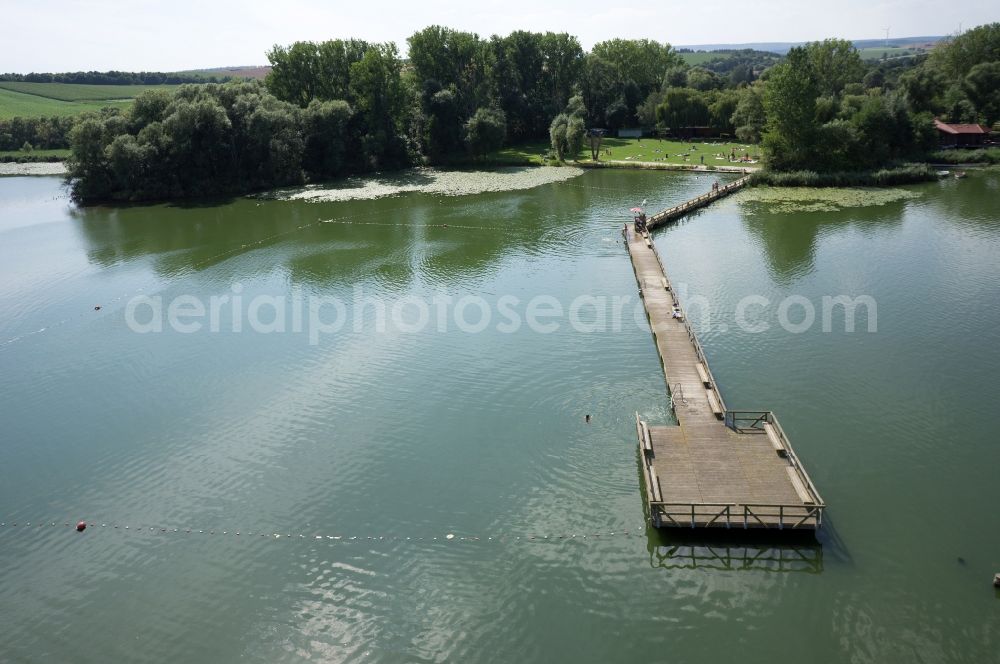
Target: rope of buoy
82 526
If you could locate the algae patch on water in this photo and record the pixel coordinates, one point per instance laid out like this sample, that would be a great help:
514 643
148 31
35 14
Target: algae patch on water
819 199
432 181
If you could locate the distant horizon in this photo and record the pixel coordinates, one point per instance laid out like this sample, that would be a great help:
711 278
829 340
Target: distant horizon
695 47
103 35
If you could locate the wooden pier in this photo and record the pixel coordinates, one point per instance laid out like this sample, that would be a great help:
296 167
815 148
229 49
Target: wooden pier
670 214
716 468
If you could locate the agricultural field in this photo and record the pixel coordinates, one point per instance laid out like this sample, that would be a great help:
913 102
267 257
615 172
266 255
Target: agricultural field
13 104
878 52
697 58
18 98
79 91
251 71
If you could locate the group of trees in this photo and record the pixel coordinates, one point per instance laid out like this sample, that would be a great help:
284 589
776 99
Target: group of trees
114 78
960 81
204 140
343 106
523 79
738 65
567 129
346 106
457 93
38 133
825 110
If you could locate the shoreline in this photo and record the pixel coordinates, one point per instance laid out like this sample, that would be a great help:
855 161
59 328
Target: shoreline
428 180
33 168
661 166
48 168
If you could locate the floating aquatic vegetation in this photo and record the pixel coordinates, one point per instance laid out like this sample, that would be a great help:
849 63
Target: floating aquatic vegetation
819 199
432 181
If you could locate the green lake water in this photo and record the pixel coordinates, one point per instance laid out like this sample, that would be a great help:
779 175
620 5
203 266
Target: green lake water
388 434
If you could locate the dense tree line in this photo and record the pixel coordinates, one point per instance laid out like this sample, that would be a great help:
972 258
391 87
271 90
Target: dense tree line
206 140
114 78
827 111
960 81
528 77
346 106
37 133
739 65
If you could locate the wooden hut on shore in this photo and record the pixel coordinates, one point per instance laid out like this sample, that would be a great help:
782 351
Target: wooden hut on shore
961 135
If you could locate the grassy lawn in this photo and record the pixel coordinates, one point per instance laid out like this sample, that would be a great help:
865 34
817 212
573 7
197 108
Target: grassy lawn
80 92
632 149
523 153
670 151
14 104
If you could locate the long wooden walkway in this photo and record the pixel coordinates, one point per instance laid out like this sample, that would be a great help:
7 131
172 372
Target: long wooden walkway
670 214
716 468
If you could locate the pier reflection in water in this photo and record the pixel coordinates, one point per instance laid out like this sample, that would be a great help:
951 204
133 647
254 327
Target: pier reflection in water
735 554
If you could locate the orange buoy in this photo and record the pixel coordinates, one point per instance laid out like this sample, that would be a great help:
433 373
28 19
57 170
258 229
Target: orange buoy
81 526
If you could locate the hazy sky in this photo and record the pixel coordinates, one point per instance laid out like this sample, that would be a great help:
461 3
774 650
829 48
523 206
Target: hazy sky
70 35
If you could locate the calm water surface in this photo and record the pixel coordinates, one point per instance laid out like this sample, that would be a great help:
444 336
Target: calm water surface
419 434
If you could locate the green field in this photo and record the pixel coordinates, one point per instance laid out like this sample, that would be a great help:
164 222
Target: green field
13 104
81 92
258 71
876 52
18 98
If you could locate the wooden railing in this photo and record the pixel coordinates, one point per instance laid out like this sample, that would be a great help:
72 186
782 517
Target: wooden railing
779 516
752 422
807 514
698 350
697 202
748 421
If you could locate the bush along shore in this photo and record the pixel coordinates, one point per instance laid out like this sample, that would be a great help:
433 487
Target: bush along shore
982 156
883 177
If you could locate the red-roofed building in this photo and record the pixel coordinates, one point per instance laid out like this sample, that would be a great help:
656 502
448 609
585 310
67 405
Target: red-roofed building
961 135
